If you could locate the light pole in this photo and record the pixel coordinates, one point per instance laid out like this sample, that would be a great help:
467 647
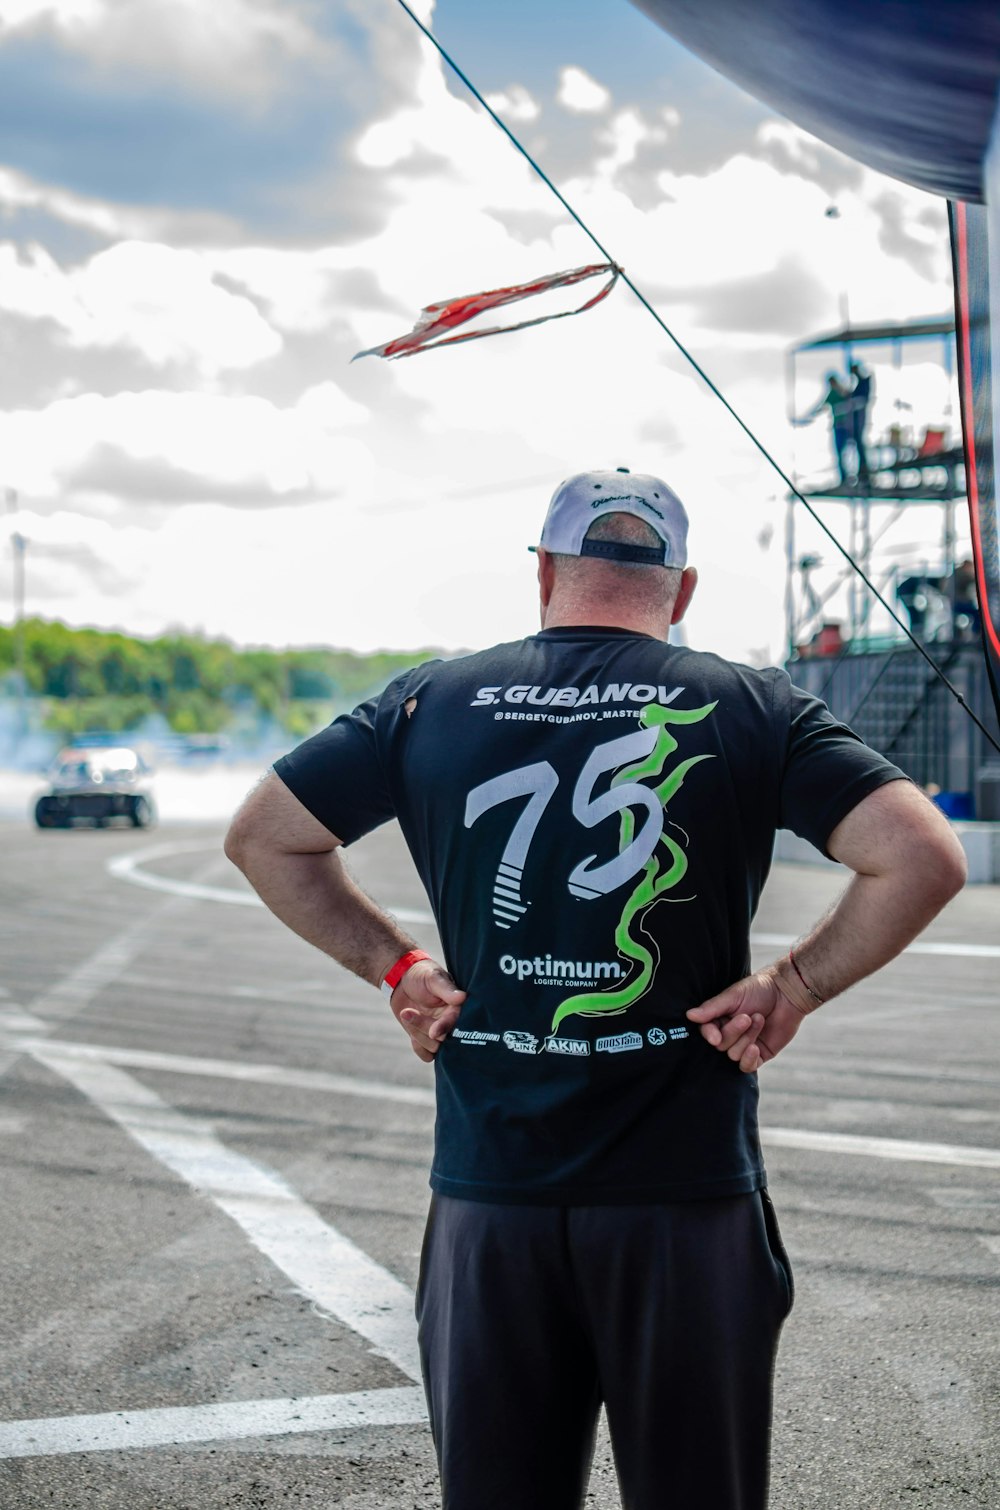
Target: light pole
832 212
20 548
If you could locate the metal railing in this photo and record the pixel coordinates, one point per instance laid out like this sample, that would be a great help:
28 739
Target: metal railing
900 707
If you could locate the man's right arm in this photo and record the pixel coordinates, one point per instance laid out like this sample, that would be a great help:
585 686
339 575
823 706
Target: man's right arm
907 865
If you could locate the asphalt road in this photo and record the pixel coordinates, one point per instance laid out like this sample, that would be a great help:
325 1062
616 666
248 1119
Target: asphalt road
215 1180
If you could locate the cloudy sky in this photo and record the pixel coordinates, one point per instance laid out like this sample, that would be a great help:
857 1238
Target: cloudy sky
207 209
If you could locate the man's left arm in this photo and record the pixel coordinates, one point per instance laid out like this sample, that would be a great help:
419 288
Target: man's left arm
292 862
907 864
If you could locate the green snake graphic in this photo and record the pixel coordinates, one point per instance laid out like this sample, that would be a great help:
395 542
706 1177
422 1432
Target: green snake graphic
654 879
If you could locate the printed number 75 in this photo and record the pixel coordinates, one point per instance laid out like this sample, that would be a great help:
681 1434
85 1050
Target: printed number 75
538 782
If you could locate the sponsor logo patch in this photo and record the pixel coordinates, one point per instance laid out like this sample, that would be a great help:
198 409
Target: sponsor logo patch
467 1035
543 970
521 1043
617 1043
573 1046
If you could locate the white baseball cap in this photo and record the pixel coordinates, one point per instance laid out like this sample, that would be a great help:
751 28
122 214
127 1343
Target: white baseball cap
581 499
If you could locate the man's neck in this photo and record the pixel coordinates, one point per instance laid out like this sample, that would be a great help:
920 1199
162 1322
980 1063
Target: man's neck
606 616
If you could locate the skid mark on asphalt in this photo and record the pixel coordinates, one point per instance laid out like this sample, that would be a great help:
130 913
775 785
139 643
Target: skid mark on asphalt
119 1430
74 992
320 1261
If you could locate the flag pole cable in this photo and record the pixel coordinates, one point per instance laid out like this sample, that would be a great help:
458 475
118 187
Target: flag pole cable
637 292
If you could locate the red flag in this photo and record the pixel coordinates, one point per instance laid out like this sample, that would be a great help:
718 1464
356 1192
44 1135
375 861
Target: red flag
449 313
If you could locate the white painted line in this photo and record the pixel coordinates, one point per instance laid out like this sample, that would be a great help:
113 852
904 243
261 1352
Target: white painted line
991 1242
17 1020
853 1066
958 949
64 1056
14 1019
227 1069
129 868
319 1261
122 1430
882 1148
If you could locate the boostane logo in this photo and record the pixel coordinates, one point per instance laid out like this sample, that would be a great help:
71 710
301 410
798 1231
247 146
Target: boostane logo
573 697
544 967
618 1043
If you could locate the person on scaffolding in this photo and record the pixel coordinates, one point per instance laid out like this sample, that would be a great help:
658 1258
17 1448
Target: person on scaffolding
861 397
840 401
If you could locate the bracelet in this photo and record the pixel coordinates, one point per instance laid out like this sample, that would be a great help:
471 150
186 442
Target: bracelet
819 1000
393 976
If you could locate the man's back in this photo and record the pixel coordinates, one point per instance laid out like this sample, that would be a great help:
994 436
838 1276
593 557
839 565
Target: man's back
592 812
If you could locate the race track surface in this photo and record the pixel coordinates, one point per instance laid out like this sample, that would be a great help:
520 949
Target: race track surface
216 1144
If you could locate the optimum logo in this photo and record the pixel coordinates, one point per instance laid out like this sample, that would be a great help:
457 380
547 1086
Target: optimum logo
544 968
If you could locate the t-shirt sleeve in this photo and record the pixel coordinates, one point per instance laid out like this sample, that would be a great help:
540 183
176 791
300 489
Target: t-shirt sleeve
338 775
828 768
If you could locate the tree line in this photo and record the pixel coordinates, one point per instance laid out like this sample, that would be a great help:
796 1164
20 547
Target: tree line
93 678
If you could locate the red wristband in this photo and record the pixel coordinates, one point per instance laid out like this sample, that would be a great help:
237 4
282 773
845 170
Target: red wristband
819 1000
393 976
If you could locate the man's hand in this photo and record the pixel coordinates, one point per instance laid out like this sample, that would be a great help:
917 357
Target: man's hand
753 1019
427 1003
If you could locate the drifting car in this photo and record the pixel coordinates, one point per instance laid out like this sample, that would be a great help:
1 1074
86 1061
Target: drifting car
95 786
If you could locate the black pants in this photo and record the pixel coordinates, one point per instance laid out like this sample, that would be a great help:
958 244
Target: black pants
530 1317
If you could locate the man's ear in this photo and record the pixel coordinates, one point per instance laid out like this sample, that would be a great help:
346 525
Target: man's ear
689 581
546 576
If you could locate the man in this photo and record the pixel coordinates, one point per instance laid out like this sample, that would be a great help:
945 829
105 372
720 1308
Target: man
861 397
592 811
839 399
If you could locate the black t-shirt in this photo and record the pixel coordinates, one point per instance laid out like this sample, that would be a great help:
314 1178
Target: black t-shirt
592 813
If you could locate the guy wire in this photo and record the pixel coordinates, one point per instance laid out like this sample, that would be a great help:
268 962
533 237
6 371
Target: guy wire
938 671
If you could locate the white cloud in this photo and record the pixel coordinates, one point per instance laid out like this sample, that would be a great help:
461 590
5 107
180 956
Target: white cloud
514 104
296 288
19 191
581 93
194 444
624 134
238 46
447 491
67 14
152 299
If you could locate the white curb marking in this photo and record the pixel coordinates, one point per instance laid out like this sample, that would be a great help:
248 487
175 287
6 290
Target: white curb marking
75 1059
958 949
129 868
226 1069
121 1430
882 1148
